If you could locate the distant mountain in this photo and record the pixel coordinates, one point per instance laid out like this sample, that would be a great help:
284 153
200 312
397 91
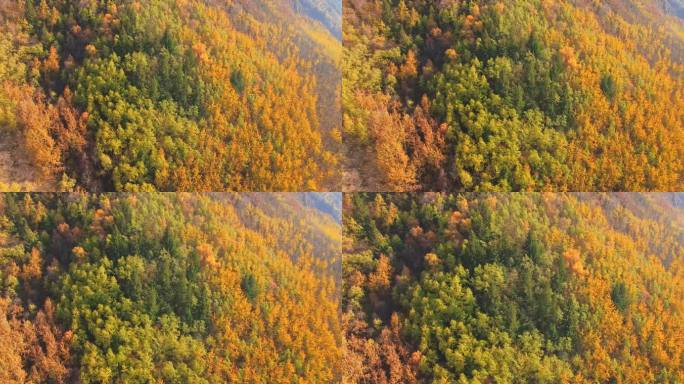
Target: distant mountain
329 203
678 200
328 12
675 7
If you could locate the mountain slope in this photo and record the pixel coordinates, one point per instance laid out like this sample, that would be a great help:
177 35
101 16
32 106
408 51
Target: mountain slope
165 95
168 288
528 287
524 95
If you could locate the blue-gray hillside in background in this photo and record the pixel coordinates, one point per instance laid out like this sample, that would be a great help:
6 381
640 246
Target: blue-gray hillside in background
326 202
328 12
675 7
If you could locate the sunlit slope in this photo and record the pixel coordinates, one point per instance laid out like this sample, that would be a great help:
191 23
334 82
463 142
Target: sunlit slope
531 287
165 95
518 95
167 287
293 30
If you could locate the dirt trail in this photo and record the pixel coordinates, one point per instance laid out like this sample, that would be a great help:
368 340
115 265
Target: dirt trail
16 171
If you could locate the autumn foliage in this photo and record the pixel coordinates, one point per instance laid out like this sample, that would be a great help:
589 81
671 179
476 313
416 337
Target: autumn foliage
523 95
169 288
517 288
167 95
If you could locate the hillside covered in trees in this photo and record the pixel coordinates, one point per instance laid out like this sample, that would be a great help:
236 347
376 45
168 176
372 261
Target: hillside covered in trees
514 288
523 95
173 288
141 95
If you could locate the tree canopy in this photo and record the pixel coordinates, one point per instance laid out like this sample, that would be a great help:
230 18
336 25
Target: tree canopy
167 95
522 95
514 288
174 288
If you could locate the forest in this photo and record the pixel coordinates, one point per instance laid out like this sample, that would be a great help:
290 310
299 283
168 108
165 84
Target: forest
517 95
164 95
513 287
170 288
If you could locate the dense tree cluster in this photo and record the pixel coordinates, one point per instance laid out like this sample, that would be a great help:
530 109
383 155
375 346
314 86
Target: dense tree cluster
170 95
174 288
487 95
514 288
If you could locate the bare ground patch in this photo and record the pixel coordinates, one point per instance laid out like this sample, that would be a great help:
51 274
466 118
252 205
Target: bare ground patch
17 173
